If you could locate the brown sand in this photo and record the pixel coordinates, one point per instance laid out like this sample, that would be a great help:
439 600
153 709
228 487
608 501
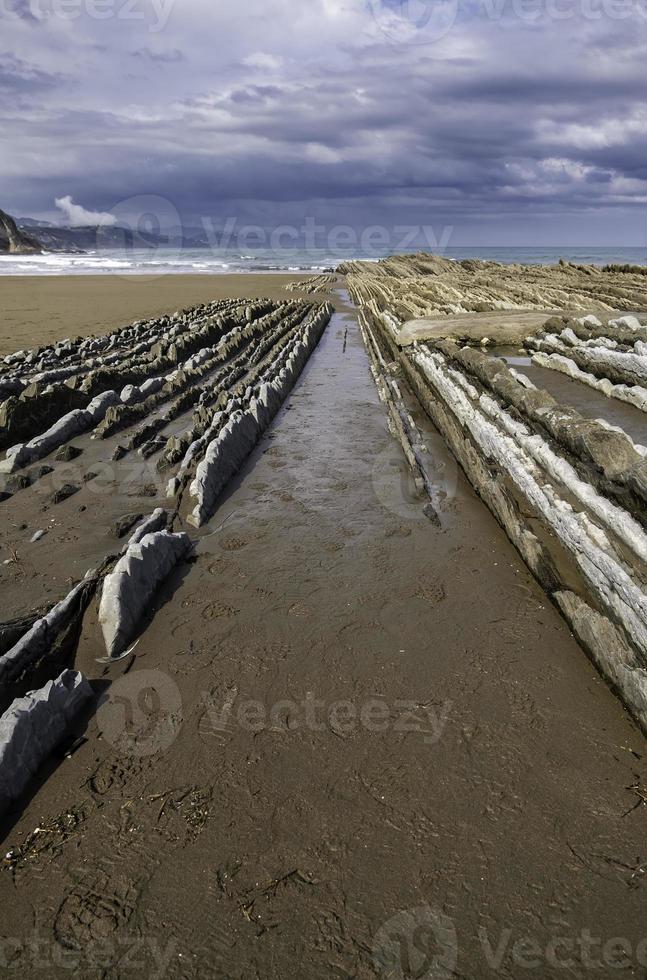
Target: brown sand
411 726
37 310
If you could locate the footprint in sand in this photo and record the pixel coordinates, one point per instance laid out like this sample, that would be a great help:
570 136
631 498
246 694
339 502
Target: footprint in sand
233 544
92 913
432 592
218 610
219 567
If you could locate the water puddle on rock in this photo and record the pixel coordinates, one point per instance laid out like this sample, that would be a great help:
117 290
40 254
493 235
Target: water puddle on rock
587 401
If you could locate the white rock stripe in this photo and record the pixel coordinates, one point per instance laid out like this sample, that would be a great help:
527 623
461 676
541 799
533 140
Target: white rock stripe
67 427
608 580
40 636
633 365
128 589
631 394
81 420
33 726
226 453
615 518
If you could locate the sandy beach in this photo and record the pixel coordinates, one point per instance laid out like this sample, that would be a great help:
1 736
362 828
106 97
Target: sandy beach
323 491
37 310
343 708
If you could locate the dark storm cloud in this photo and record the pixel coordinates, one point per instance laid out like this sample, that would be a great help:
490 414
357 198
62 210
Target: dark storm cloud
255 94
164 57
17 75
284 109
544 88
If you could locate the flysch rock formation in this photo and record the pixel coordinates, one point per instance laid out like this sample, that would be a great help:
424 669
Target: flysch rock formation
235 378
52 412
136 577
33 727
507 327
570 491
401 424
635 395
166 388
238 436
315 284
38 639
63 430
410 287
615 365
157 521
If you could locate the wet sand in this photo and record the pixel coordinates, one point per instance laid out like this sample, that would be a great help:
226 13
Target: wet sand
344 724
40 309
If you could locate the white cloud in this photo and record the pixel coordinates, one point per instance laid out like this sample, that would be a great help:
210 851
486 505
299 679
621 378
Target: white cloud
78 216
567 168
318 153
263 61
355 105
599 135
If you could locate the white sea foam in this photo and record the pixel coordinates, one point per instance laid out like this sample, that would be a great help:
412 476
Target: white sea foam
168 260
165 261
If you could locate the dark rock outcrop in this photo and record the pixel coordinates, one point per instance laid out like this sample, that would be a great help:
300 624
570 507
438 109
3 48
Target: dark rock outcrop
12 239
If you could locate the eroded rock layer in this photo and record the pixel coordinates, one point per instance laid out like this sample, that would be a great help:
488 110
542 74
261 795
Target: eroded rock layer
408 286
154 398
570 490
315 284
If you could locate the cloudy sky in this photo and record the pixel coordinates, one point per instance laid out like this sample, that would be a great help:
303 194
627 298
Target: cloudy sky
512 121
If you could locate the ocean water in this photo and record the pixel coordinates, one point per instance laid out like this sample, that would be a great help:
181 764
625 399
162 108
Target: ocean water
215 261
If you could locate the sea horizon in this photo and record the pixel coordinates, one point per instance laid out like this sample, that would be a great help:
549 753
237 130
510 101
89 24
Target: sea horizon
224 261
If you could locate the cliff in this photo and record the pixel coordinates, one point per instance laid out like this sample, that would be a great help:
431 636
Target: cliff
12 239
